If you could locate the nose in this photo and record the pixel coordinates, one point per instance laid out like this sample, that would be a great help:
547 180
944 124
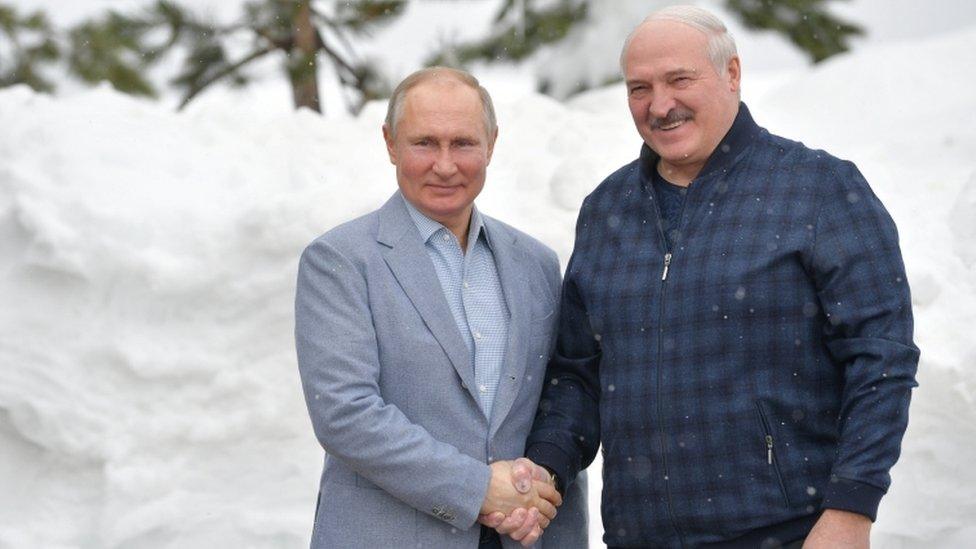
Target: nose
661 104
444 165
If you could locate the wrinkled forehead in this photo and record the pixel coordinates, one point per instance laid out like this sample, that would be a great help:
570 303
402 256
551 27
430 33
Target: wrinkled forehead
665 39
444 100
443 88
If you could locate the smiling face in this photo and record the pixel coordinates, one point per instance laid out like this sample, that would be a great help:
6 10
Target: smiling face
681 105
441 150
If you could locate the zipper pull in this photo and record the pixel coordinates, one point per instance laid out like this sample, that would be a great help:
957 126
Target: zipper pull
769 449
667 263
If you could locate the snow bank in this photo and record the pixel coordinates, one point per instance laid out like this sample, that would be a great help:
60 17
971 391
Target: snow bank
148 390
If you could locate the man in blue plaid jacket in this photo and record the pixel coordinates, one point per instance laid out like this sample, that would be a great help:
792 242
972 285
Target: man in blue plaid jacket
736 326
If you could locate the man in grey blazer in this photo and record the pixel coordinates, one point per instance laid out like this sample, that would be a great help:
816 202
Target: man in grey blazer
423 330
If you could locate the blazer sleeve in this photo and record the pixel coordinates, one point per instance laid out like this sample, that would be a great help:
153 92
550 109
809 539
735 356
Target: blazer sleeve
339 365
857 268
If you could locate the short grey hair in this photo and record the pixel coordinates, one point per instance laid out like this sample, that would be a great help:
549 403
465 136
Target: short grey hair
721 45
394 109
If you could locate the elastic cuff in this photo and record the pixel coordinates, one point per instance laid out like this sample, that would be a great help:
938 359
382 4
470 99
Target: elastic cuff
554 458
853 496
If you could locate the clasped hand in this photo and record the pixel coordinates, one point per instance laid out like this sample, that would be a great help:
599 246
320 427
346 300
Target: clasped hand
521 500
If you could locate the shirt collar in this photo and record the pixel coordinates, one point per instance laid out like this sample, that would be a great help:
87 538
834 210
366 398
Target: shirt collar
428 227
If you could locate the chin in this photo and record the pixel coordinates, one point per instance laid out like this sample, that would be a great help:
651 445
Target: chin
679 153
672 156
444 209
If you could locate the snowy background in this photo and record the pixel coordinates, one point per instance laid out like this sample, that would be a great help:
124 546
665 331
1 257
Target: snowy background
149 395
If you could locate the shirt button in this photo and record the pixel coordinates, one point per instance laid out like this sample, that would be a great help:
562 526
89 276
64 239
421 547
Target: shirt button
477 335
482 388
465 283
446 238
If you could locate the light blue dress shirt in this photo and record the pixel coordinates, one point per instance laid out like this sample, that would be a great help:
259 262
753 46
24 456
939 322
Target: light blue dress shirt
474 293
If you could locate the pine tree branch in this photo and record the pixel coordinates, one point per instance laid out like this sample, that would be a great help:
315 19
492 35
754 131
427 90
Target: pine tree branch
229 69
276 42
337 59
336 30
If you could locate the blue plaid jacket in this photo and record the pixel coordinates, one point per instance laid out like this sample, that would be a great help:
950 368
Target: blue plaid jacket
759 373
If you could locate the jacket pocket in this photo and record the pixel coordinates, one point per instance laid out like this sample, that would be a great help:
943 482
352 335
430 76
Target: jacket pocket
770 445
363 482
350 516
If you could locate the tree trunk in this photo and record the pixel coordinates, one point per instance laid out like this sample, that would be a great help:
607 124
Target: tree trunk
302 68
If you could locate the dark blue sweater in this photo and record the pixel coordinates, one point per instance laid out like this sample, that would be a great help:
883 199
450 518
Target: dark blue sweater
758 374
670 201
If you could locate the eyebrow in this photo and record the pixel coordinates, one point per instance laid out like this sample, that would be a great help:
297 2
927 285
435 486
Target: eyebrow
670 74
422 137
677 72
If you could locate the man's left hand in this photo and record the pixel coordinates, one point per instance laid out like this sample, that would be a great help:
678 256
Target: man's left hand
838 529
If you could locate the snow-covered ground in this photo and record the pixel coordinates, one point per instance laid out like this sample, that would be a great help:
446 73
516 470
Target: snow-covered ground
149 395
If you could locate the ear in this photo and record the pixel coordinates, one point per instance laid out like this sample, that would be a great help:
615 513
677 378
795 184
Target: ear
734 69
390 148
491 143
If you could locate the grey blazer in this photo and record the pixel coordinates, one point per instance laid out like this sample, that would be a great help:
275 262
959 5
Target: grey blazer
389 385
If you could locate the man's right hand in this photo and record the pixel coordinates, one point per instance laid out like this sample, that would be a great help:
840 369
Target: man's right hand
525 522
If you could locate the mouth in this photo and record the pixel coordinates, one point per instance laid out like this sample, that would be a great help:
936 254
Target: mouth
443 189
671 126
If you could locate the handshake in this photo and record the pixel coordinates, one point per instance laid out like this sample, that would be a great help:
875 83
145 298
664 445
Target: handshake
521 500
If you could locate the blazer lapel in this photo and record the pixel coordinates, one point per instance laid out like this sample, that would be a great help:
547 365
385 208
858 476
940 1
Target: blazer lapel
511 263
408 260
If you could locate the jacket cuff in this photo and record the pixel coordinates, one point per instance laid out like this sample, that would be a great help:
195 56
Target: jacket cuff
556 460
853 496
467 514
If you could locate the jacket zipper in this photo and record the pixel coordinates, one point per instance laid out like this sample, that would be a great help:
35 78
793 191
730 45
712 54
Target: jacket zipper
770 455
668 255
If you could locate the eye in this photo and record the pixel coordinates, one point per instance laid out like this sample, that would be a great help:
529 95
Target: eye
464 143
637 89
424 142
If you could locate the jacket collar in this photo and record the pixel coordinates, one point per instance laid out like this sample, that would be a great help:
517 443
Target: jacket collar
404 253
743 132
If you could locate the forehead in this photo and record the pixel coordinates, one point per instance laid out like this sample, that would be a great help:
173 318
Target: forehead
442 102
666 45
